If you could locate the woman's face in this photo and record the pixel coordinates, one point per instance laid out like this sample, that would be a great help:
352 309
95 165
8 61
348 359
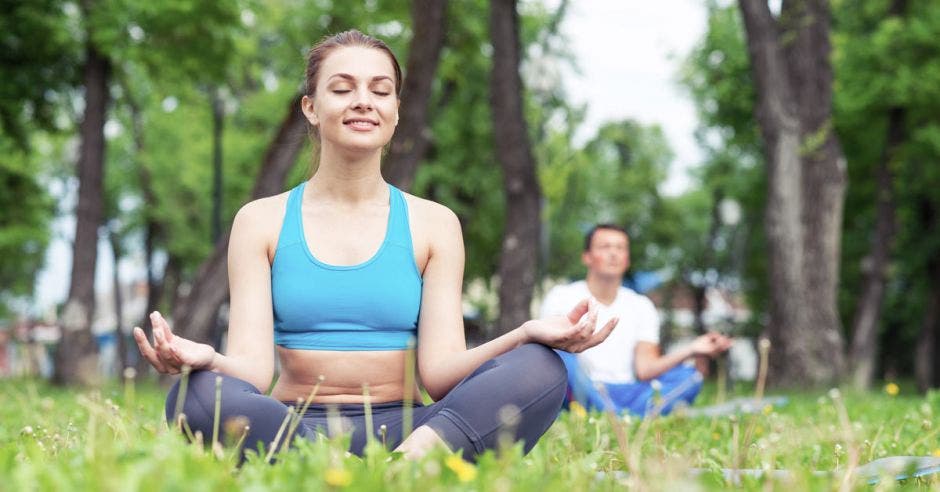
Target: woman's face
354 106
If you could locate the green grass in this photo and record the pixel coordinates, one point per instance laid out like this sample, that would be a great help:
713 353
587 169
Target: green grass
115 438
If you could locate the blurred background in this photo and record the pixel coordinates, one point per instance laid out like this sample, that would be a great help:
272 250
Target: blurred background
776 165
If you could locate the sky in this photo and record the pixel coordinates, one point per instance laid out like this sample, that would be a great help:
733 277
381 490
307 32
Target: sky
628 53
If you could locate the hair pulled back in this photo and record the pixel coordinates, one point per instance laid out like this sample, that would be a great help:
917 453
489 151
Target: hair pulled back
349 38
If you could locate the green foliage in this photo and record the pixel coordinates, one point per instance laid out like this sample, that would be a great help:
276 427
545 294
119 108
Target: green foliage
38 63
196 37
614 178
116 439
257 62
880 62
38 66
26 212
884 63
717 75
461 171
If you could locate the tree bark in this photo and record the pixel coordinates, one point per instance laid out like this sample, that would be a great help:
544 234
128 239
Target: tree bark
116 251
193 315
152 229
76 354
806 187
868 312
412 137
218 121
925 353
518 260
708 260
925 362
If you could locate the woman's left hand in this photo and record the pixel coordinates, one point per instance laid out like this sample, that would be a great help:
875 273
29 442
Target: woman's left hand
571 333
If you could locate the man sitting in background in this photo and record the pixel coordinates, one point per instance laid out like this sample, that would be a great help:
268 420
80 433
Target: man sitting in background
626 371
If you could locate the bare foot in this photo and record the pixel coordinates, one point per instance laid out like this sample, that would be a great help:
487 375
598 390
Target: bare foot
422 440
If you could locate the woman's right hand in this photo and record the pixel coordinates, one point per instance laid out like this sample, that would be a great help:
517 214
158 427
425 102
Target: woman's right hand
572 333
169 353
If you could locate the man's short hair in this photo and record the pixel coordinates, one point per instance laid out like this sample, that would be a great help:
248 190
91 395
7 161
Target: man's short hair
590 235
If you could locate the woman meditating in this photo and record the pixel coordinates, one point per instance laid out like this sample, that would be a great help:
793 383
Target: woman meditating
341 274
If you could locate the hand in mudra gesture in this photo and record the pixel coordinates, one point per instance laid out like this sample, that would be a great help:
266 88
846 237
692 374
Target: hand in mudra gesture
572 333
169 353
711 344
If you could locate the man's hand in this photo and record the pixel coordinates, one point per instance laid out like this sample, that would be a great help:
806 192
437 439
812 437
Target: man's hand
711 344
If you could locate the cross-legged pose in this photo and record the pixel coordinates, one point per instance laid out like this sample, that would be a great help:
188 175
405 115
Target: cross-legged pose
618 374
341 274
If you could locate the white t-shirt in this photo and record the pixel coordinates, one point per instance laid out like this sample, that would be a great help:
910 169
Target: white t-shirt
611 361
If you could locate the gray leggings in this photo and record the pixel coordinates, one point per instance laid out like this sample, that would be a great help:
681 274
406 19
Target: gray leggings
517 395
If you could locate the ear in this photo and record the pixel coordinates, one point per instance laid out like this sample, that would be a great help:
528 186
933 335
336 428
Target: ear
306 105
585 259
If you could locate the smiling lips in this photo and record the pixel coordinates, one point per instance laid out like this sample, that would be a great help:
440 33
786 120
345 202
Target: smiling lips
361 124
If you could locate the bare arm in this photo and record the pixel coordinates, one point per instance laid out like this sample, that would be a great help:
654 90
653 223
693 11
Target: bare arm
650 363
443 357
250 354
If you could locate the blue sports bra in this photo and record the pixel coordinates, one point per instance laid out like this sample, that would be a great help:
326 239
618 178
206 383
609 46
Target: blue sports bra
370 306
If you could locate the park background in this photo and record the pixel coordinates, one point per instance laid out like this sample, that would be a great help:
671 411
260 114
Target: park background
132 134
806 213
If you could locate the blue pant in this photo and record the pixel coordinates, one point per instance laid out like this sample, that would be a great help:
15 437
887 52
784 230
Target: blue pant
681 383
472 416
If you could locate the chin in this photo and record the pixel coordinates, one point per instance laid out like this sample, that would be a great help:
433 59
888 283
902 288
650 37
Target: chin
361 145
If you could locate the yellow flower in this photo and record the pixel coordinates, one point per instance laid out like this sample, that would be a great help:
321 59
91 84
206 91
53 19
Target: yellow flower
716 436
892 389
578 410
465 471
337 477
768 409
936 452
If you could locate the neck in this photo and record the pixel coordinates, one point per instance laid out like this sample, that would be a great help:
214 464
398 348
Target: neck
349 177
603 288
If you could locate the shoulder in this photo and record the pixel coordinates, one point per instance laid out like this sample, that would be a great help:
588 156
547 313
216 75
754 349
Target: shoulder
260 219
263 211
261 207
433 224
427 213
435 232
636 301
577 289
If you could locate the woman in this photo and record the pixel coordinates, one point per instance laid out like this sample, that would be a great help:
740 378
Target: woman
341 273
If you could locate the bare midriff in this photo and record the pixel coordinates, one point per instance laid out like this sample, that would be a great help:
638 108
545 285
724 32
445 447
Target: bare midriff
343 375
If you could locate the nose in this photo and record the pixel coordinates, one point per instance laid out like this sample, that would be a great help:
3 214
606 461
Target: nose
363 100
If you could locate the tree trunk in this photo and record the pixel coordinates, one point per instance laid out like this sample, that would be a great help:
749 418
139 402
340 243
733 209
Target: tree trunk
926 351
708 260
168 294
118 300
218 120
698 307
152 228
925 354
868 311
76 353
790 65
412 137
518 260
154 289
194 314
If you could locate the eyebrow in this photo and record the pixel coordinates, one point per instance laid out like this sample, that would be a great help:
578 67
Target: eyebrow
350 77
